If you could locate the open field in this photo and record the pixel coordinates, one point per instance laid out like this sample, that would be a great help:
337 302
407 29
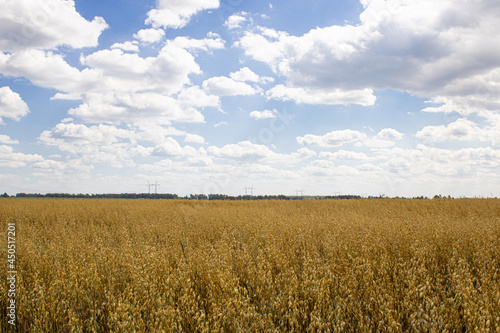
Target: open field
268 266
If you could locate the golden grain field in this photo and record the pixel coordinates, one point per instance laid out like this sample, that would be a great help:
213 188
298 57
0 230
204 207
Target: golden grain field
268 266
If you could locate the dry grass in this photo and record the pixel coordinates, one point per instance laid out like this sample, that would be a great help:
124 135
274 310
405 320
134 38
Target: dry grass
269 266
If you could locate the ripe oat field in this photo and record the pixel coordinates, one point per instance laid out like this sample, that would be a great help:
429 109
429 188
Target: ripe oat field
268 266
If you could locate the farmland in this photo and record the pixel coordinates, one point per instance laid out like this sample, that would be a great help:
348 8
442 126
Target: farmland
89 265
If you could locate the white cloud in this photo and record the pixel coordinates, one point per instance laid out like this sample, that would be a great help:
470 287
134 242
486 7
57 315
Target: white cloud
191 44
177 13
10 159
427 162
196 97
74 166
70 137
461 129
332 139
260 48
244 74
127 46
221 123
322 168
194 138
46 25
266 114
424 47
42 68
11 105
343 155
385 138
171 148
363 97
389 134
244 150
306 153
234 21
150 35
134 108
116 86
5 139
224 86
96 144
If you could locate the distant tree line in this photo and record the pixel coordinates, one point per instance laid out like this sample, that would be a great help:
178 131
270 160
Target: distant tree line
100 196
175 196
205 196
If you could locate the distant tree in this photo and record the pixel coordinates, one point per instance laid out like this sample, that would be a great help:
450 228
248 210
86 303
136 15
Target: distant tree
5 195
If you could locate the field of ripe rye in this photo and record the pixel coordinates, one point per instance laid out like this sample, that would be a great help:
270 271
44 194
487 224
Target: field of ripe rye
269 266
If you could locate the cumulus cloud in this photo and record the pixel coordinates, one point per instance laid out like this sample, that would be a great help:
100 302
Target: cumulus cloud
244 74
266 114
115 86
221 123
121 87
75 166
224 86
27 24
176 14
43 68
234 21
11 159
196 97
305 153
426 162
134 108
385 138
11 105
389 134
127 46
461 129
425 47
192 44
5 139
322 96
150 35
119 147
244 150
95 144
70 137
332 139
194 138
171 148
343 155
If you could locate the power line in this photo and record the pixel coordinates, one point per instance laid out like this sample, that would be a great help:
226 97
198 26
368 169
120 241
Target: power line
249 188
155 185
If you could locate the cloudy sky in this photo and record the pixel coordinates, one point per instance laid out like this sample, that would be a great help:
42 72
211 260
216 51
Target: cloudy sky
368 97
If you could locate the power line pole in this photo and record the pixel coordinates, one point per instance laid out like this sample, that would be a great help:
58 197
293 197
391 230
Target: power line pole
156 185
249 188
149 185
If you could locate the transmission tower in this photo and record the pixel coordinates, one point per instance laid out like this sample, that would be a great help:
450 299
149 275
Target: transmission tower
149 185
155 185
249 188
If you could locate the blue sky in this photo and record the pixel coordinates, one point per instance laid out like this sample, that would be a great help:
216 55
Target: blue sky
364 97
